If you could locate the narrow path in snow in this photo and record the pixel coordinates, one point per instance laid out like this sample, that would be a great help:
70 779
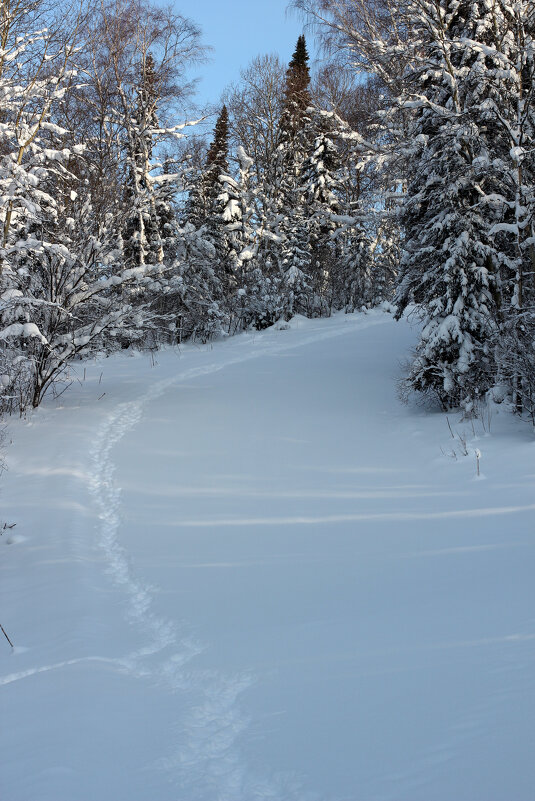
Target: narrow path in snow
205 755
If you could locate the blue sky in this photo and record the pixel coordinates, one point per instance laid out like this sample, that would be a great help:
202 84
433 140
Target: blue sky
238 30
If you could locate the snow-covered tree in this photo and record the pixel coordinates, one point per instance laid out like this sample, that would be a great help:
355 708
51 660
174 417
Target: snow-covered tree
456 135
143 231
35 70
450 265
251 301
322 202
68 145
508 111
290 246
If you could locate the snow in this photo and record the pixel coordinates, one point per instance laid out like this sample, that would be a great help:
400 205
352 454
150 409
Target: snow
245 571
11 294
24 330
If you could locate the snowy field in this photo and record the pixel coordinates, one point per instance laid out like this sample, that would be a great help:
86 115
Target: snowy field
247 572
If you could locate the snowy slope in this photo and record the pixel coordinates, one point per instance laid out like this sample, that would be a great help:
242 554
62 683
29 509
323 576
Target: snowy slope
247 572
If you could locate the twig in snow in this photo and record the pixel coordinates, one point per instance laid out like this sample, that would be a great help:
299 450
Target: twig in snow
5 635
462 440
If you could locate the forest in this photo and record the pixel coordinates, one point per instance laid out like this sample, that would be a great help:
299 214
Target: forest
267 398
399 173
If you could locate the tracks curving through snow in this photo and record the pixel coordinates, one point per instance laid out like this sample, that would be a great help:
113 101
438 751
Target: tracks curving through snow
205 760
266 581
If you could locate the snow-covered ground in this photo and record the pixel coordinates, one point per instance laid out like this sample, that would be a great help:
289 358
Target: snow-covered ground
248 572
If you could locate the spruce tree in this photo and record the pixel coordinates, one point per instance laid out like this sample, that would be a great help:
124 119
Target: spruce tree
509 200
216 167
222 204
207 257
291 248
297 90
250 300
217 156
195 211
450 265
321 192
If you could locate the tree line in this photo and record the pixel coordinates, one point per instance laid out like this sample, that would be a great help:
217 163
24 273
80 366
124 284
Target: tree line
455 128
402 171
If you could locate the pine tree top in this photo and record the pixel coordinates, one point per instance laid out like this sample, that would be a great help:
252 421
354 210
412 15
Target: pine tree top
218 153
300 58
297 95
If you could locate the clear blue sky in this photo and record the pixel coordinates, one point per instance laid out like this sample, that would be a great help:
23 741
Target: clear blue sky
239 30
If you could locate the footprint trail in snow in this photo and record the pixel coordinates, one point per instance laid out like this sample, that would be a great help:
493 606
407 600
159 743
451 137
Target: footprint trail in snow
205 762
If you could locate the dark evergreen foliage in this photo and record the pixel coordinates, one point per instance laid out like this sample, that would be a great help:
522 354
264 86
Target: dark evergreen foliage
297 90
217 156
